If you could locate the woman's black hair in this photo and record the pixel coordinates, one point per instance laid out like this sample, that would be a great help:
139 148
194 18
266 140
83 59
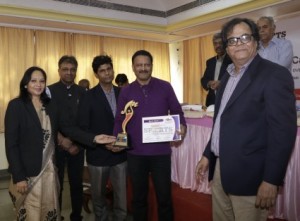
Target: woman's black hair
24 95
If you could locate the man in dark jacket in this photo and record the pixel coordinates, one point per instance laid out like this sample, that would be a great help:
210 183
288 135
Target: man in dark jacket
215 69
66 94
96 114
254 131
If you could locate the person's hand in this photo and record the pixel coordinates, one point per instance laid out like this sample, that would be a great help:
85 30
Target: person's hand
182 133
201 169
65 143
73 150
266 195
113 148
22 187
104 139
214 85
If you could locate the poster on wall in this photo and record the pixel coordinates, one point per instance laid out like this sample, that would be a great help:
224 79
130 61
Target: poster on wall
289 29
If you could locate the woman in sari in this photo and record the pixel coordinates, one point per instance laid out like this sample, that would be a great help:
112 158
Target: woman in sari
30 130
31 125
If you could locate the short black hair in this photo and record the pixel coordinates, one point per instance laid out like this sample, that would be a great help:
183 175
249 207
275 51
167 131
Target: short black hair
121 78
228 27
144 53
24 95
68 59
100 60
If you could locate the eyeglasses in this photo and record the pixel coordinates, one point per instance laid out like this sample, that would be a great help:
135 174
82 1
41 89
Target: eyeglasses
245 38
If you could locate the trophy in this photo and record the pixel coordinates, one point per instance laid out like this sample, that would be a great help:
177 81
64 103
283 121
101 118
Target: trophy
123 138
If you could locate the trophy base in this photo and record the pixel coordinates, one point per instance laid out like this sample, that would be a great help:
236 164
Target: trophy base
122 141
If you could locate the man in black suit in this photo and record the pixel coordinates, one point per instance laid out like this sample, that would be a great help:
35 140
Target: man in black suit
254 132
66 94
215 69
96 114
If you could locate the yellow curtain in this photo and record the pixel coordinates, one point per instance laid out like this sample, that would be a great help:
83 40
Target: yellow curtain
49 47
121 51
195 53
161 59
16 55
85 48
22 48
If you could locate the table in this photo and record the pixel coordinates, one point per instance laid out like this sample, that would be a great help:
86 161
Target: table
187 154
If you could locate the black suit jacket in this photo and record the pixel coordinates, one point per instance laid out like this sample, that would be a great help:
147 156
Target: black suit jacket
95 116
209 75
67 100
258 128
24 138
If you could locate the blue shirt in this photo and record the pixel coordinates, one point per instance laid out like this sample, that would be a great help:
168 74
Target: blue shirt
154 99
279 51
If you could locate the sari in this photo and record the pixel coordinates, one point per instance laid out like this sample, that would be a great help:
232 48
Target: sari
40 202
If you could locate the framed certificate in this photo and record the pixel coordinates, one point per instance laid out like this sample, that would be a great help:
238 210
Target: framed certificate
161 128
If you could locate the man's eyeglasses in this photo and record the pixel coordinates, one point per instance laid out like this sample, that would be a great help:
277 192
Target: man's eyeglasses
245 38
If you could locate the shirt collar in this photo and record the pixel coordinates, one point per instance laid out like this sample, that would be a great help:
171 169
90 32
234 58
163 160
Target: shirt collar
231 68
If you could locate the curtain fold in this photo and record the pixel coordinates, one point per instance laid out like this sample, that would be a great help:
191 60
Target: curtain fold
161 59
195 53
121 51
49 47
22 48
85 48
16 55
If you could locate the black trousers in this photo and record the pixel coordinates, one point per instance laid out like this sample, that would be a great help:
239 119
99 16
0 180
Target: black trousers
74 165
139 169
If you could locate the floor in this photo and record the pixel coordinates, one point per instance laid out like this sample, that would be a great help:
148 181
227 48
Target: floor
7 212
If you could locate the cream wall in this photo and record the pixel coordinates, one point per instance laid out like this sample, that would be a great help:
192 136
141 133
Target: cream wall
176 68
3 161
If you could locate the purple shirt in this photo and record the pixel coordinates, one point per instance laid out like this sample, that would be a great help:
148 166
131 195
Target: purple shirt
154 99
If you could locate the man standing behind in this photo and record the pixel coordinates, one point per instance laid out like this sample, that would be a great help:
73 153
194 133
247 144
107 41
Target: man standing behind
66 94
96 114
254 129
155 98
215 69
278 50
121 80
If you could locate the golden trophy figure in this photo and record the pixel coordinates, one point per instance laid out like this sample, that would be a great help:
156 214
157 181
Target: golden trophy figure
123 138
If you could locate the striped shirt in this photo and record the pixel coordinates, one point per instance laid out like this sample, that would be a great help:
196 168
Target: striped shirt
233 80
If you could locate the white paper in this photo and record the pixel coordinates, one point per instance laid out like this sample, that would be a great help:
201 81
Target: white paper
161 128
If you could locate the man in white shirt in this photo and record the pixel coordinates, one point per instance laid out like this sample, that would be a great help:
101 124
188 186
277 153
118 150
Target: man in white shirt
277 50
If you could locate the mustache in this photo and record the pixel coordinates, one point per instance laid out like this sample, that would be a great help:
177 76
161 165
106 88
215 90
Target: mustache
143 72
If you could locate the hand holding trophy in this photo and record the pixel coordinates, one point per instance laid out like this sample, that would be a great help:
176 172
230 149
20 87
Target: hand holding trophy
123 138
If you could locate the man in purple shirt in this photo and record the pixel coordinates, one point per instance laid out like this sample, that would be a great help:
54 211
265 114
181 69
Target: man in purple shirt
155 97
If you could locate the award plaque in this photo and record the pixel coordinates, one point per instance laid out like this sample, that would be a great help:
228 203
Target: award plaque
123 138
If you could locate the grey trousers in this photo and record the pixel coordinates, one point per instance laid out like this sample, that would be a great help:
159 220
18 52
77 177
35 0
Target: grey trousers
99 177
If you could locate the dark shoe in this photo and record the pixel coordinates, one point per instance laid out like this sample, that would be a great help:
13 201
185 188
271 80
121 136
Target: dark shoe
62 218
80 218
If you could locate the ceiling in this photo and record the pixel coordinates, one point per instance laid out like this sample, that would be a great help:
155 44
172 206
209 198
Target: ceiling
156 20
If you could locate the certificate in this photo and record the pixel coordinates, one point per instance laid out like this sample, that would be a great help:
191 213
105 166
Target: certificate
161 128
